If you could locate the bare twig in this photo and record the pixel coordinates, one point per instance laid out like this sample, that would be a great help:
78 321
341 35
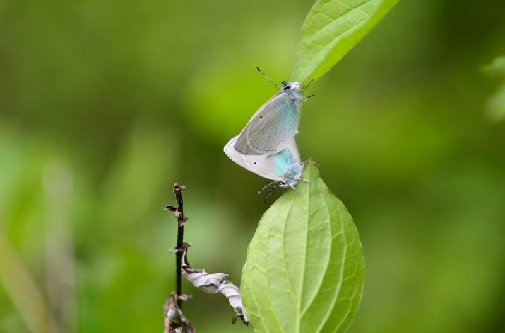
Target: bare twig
181 219
175 321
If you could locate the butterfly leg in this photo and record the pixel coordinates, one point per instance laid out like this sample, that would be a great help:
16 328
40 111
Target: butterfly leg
294 189
304 163
271 187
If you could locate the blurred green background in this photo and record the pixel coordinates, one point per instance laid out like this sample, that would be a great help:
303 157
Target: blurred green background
105 104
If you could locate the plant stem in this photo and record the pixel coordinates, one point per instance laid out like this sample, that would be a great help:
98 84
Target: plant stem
180 239
173 316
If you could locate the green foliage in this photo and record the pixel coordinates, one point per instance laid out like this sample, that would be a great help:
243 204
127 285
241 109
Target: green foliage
304 268
497 67
331 29
109 90
496 104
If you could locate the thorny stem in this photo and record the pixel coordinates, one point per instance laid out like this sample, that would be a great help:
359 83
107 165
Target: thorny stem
180 240
179 250
175 321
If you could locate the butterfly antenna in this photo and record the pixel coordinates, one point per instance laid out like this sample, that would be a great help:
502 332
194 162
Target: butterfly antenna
267 78
307 85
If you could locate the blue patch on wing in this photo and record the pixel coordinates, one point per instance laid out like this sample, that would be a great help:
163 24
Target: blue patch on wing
283 160
288 119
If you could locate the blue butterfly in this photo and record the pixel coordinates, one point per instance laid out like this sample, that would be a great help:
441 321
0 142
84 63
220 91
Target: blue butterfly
266 145
272 127
283 167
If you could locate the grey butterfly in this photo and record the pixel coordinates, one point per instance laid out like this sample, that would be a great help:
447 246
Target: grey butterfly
283 167
273 126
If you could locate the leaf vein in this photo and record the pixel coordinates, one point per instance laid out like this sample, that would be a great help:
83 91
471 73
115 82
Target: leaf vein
333 20
344 253
327 263
348 310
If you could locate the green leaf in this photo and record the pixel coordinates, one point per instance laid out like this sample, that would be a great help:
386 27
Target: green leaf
304 268
331 29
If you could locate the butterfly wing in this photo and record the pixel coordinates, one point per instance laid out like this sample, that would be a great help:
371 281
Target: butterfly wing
270 166
261 165
271 128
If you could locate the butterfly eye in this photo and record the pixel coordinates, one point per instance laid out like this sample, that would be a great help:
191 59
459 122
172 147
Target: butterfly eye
287 87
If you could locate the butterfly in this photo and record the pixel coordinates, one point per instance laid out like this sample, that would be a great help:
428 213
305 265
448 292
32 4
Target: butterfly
275 123
266 146
283 167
